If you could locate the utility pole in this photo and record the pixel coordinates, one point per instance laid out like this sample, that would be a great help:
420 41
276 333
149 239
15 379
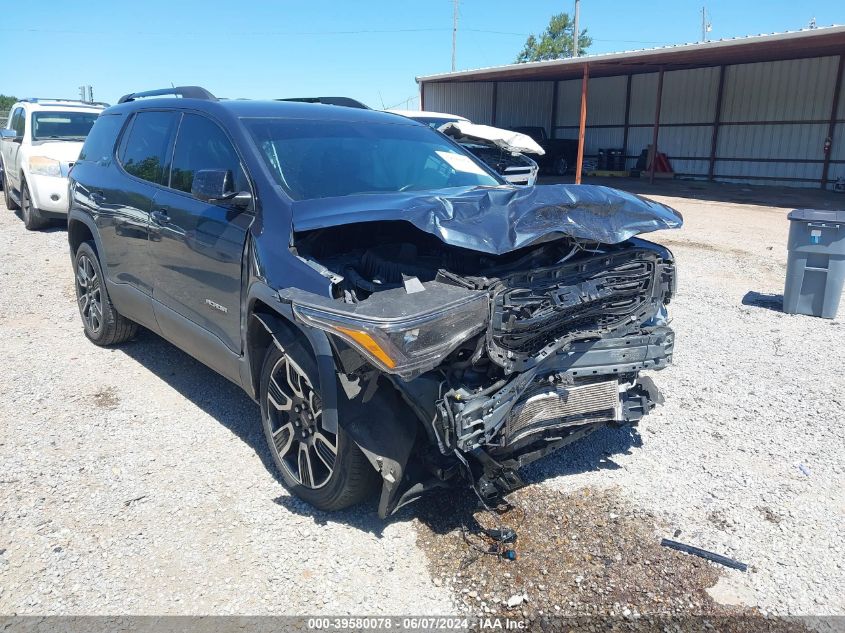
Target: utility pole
575 25
706 26
454 30
90 94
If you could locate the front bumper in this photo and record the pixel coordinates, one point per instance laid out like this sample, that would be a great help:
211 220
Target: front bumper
49 194
587 382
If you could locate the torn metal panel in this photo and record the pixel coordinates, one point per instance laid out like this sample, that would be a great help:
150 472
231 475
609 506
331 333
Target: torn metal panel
501 219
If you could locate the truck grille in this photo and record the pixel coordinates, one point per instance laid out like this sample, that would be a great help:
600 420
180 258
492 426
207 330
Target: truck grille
543 407
534 310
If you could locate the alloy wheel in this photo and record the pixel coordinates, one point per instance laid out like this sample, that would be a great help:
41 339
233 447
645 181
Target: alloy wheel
306 451
88 294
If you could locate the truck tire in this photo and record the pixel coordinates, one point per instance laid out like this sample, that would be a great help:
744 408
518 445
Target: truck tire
103 324
561 166
325 469
32 219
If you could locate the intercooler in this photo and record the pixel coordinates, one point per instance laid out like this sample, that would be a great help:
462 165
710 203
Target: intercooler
546 406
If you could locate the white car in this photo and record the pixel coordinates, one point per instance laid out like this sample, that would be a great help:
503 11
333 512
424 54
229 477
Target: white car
503 150
40 144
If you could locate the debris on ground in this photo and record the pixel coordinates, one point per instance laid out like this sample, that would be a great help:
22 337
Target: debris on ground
703 553
587 553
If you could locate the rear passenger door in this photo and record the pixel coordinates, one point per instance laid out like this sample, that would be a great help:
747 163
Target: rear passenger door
121 205
197 247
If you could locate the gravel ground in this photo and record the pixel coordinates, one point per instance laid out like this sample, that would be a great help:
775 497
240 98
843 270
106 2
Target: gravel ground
135 480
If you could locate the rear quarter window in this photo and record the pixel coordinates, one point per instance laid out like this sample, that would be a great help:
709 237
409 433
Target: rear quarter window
99 146
145 151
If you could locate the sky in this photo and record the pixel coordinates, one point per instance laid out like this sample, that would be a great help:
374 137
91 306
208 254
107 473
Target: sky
370 50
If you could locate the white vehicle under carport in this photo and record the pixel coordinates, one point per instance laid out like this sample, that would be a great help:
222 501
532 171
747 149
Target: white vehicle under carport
40 144
503 150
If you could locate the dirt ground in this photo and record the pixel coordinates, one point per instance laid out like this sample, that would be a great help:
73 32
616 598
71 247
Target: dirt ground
135 480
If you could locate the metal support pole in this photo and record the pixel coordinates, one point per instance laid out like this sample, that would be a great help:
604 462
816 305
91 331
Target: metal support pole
717 120
656 127
582 124
627 122
831 128
553 117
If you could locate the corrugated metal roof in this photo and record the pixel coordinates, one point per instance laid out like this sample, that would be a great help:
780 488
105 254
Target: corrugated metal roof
764 47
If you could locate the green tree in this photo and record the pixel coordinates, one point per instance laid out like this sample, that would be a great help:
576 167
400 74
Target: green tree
6 102
555 42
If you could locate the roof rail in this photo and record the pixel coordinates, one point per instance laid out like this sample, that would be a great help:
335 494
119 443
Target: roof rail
338 101
76 101
186 92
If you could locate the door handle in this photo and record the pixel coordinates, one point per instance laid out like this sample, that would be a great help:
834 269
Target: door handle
160 216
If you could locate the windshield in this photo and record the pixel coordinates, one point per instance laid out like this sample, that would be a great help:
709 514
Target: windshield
65 126
324 159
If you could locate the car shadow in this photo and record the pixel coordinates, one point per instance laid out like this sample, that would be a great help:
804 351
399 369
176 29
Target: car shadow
443 510
215 395
762 300
54 225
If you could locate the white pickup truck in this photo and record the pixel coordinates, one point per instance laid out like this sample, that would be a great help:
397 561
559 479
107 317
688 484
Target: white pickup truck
39 145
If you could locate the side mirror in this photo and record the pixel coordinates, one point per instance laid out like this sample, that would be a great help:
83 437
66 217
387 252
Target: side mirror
215 185
10 135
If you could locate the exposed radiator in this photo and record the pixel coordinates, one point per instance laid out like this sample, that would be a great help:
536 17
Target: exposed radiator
546 406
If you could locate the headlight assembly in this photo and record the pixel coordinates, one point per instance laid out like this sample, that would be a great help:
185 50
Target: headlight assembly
407 346
43 166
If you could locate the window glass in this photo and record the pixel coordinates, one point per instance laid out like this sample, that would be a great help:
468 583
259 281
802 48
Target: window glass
99 146
145 151
201 144
63 126
322 159
18 121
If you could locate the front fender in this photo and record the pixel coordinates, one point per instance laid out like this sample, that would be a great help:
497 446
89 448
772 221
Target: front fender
375 418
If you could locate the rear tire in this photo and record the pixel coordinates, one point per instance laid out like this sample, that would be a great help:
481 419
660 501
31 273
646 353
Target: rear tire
326 470
103 324
32 219
11 205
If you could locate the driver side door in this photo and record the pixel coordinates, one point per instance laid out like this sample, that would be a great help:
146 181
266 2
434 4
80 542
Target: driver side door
197 247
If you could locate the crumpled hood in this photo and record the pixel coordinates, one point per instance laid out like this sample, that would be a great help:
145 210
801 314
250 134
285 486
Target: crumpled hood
501 219
506 139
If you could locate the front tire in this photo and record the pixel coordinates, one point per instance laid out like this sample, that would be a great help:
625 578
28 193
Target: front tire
32 219
325 469
11 205
103 324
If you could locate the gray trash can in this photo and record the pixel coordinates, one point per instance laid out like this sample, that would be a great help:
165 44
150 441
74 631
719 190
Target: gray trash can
815 270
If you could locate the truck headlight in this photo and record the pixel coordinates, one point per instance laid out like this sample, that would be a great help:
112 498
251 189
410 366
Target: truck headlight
43 166
404 346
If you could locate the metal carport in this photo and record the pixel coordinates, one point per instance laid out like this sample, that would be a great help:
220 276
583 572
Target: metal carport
759 109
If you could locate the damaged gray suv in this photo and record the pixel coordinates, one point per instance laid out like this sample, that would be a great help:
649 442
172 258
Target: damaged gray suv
403 317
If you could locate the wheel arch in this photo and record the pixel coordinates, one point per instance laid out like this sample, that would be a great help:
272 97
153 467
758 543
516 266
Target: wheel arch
378 420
